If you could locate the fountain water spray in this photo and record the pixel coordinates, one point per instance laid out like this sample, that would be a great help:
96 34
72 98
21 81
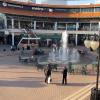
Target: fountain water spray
64 39
64 54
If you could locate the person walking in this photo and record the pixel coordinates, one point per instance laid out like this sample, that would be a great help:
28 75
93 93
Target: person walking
48 77
45 73
64 80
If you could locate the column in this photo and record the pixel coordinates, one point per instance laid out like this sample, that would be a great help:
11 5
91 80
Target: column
12 23
76 38
43 25
5 24
99 26
77 26
5 27
19 24
55 26
34 25
90 26
12 39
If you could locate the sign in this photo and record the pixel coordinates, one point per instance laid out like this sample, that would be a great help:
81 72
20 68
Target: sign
4 4
24 7
31 8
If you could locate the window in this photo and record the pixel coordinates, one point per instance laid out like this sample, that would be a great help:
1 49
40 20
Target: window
9 25
49 25
39 25
1 24
15 24
97 9
61 26
87 9
84 26
94 26
73 10
71 26
24 24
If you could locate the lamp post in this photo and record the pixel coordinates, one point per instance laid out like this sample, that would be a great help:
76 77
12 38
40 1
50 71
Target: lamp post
94 44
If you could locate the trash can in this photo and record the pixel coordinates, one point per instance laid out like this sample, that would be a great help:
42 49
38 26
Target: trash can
93 94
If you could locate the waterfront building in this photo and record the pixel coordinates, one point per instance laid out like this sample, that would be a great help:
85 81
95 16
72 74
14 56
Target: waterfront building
47 20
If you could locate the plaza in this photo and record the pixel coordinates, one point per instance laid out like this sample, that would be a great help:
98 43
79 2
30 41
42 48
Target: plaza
20 81
34 36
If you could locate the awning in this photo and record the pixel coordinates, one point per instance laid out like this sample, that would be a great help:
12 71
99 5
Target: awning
53 36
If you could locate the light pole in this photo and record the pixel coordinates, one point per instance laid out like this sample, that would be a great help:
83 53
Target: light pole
94 44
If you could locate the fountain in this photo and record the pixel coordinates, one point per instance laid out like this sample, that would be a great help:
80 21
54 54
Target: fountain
64 54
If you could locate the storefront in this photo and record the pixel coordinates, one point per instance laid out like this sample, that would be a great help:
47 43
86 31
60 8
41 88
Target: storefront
48 40
2 34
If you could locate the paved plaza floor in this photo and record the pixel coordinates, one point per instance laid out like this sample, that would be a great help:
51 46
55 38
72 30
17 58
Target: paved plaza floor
24 82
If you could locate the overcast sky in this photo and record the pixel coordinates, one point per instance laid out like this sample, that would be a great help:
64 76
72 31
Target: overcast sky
78 1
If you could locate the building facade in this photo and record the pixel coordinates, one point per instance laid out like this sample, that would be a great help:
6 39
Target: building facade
17 17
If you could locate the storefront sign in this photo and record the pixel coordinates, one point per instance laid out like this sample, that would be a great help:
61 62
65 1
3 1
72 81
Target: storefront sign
11 5
30 8
24 7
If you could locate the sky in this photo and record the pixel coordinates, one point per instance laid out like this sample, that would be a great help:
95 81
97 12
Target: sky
78 1
83 1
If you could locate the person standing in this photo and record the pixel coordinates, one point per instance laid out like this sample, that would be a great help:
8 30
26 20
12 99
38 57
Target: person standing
49 74
64 80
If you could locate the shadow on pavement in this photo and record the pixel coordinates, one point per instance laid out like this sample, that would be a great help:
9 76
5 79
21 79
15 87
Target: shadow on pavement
21 83
19 71
72 84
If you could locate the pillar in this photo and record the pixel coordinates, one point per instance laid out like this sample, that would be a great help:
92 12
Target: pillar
43 25
12 23
34 25
5 27
13 39
55 26
19 24
90 27
77 26
76 38
5 22
99 26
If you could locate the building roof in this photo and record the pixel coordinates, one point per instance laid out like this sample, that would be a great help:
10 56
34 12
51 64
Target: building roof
16 11
54 6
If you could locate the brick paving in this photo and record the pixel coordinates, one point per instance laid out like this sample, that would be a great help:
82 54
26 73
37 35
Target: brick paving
21 82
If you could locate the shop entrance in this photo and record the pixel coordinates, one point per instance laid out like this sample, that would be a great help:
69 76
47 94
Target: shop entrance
2 40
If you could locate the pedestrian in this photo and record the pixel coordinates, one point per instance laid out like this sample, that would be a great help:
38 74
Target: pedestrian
64 80
48 74
45 73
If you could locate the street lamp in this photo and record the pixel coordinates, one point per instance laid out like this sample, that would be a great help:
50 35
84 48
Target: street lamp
94 44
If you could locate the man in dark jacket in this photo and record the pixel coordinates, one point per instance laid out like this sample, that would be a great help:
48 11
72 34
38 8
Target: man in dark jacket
48 74
64 81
